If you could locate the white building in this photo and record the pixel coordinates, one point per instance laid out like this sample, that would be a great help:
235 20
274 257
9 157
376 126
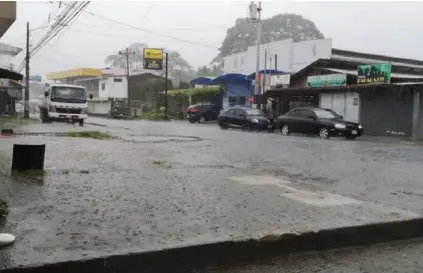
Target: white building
112 84
291 56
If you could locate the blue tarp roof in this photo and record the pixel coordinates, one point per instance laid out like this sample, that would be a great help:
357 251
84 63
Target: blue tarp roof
201 80
267 71
230 78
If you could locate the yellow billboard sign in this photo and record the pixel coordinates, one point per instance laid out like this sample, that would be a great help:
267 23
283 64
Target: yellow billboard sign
153 53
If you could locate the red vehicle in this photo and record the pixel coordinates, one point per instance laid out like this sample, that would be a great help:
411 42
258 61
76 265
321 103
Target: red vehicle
203 113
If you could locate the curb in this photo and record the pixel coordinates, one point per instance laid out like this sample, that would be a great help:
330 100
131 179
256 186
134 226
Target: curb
96 124
227 253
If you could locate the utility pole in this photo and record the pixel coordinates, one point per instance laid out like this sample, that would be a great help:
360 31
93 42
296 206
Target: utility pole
258 48
126 53
276 61
263 84
166 79
27 57
255 15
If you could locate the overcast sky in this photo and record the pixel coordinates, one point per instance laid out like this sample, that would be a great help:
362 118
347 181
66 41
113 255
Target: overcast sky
391 28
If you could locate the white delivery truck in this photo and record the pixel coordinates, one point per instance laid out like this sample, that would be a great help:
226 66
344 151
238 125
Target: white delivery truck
64 102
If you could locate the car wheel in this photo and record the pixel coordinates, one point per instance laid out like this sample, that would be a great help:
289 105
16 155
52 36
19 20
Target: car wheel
285 130
191 121
223 126
324 133
351 137
246 127
202 120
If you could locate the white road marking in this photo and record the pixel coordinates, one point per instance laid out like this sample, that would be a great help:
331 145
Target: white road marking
317 198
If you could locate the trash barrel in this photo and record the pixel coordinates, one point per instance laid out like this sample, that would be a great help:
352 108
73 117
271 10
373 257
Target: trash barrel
28 157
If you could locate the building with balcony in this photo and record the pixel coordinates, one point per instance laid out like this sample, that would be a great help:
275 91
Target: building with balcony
10 87
7 15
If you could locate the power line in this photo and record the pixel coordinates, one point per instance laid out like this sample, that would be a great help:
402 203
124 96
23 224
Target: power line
66 19
157 29
148 31
53 28
146 11
66 22
109 34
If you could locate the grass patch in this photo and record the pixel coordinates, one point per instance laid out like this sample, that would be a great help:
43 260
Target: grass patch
13 121
90 134
154 116
4 209
30 173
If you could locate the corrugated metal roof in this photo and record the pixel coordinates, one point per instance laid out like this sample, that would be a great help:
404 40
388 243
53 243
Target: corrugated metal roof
72 73
10 50
393 74
367 60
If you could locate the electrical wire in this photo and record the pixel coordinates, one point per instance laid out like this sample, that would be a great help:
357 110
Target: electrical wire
112 35
53 28
66 19
156 29
149 31
66 22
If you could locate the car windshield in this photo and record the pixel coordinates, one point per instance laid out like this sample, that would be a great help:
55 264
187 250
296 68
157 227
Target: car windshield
328 114
254 112
68 94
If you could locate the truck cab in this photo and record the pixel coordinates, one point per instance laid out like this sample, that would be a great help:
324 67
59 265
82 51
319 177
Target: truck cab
64 102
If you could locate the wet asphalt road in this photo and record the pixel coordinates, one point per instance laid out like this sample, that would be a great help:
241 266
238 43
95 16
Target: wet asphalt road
398 257
175 183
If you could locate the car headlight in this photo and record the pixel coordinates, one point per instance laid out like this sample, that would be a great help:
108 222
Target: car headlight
52 109
254 120
83 110
360 126
340 126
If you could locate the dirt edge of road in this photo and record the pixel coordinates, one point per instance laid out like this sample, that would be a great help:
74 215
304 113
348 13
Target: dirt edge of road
227 253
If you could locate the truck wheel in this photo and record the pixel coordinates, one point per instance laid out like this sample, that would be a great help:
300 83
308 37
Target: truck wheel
81 122
44 116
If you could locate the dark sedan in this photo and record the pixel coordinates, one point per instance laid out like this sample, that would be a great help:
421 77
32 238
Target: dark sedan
202 113
245 118
323 122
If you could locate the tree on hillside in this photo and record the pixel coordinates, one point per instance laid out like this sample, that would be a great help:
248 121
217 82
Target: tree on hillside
204 71
279 27
178 66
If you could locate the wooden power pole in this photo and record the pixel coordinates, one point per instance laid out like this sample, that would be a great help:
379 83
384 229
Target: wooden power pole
27 57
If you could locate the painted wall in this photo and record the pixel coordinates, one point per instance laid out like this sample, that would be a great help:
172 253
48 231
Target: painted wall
98 107
114 87
346 104
419 131
292 56
233 91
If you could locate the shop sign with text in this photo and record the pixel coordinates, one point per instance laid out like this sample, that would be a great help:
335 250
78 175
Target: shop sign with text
153 58
327 80
375 73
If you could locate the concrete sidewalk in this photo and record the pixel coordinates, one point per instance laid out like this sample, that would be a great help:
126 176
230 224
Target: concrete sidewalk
111 197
